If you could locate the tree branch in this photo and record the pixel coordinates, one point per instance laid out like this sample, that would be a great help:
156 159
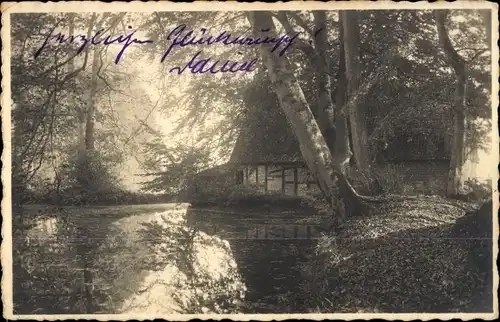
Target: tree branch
477 54
301 22
307 49
454 59
89 31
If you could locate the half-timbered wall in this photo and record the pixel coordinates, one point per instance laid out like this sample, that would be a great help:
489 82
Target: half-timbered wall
287 179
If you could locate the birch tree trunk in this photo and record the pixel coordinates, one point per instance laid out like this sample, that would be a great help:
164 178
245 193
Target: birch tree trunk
312 144
458 64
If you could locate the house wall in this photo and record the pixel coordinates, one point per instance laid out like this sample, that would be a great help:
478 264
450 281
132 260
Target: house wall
296 179
274 181
421 177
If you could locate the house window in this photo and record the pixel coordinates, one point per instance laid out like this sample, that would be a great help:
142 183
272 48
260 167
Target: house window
239 177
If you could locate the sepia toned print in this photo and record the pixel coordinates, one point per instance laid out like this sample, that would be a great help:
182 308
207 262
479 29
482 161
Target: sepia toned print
250 161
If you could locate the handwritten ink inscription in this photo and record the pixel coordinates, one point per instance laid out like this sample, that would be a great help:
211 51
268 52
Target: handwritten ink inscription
84 40
203 66
181 36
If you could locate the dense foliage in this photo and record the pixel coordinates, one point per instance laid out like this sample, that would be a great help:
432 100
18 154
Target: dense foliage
50 96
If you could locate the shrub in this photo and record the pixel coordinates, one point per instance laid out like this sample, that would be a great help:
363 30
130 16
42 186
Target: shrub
475 190
392 179
366 182
92 181
317 202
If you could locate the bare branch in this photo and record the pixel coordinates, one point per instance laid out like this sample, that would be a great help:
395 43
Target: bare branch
307 49
301 22
144 121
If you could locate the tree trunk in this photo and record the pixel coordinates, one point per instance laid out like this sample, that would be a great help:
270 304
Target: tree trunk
336 139
86 114
459 106
357 115
325 110
458 152
356 111
342 147
86 133
89 129
80 111
312 144
18 172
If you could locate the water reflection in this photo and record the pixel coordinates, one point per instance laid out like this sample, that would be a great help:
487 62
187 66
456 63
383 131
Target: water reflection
196 271
182 260
211 262
269 250
43 230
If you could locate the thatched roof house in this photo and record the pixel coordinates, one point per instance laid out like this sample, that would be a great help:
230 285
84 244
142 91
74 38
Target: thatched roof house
266 138
267 155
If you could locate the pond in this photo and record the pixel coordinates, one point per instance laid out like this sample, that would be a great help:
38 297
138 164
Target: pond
181 260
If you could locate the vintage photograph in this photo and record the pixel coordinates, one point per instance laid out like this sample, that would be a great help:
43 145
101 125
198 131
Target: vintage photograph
281 159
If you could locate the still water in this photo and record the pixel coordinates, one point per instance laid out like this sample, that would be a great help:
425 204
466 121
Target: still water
186 260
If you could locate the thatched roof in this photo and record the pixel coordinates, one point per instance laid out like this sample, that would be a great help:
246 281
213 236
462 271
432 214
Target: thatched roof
266 138
215 171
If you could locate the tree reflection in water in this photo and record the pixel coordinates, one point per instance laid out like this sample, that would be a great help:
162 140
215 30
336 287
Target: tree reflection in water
163 263
195 270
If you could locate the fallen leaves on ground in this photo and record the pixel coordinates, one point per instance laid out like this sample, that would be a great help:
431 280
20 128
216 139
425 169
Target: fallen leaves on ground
404 258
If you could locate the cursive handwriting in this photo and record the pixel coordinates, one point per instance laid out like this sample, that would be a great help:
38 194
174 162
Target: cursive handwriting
124 40
181 36
186 37
203 66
